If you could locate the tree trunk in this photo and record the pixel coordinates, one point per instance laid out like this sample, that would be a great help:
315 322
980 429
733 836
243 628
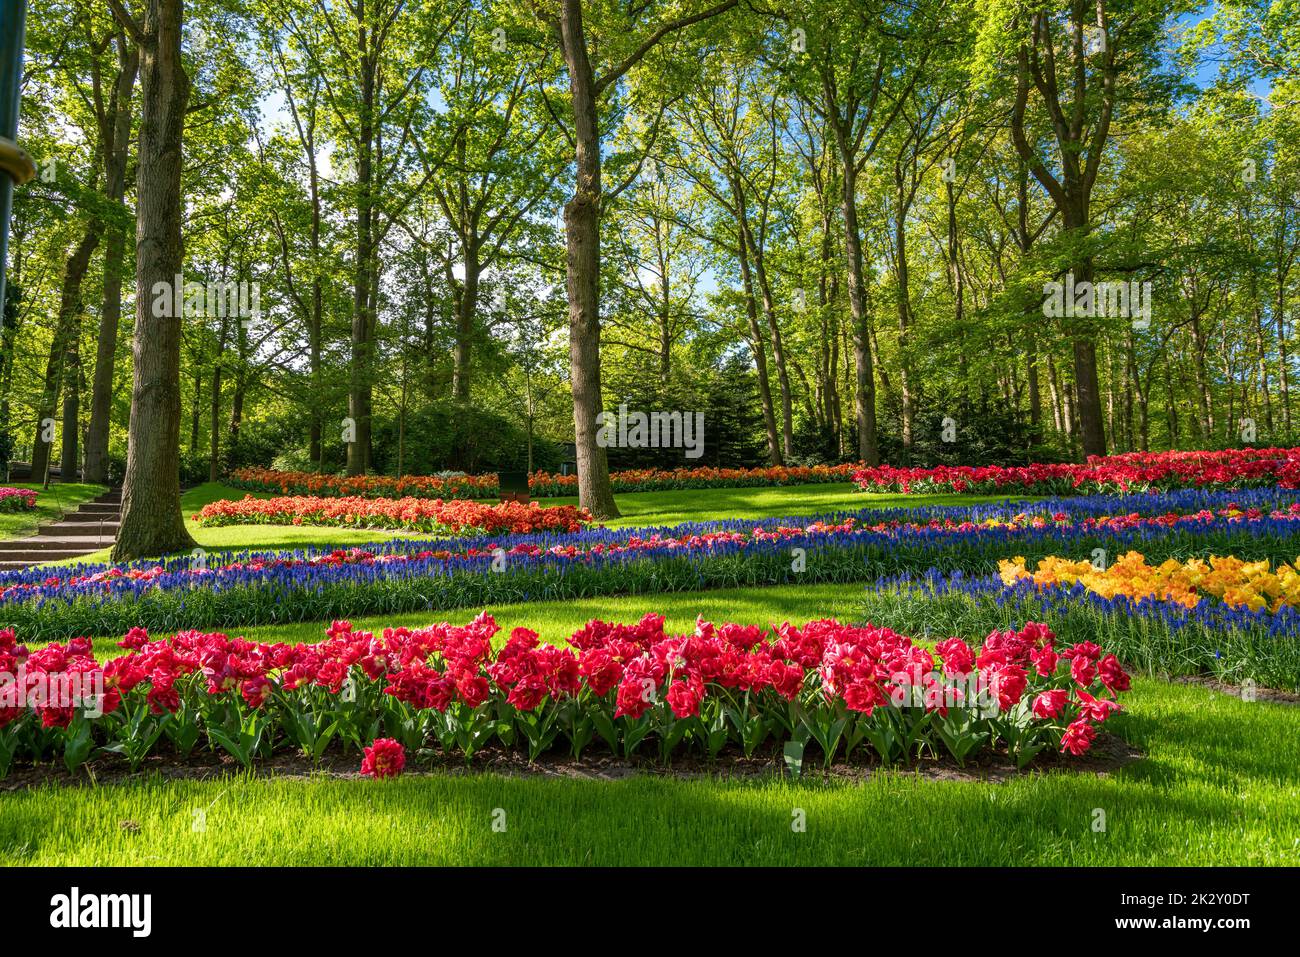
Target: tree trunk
582 280
760 355
466 311
237 409
904 303
1283 372
71 400
1087 389
62 348
101 394
196 407
152 523
1261 363
828 372
1203 398
116 133
361 384
1059 419
214 407
1079 160
1035 393
864 372
773 328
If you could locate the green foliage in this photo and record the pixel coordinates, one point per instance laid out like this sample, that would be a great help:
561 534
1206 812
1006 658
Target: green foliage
449 436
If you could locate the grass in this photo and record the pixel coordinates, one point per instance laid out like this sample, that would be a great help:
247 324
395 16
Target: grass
256 537
1217 785
556 621
705 505
51 504
639 509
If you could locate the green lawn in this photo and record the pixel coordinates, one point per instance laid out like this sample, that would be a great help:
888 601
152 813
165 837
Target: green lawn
51 504
1218 785
556 621
240 537
639 509
714 504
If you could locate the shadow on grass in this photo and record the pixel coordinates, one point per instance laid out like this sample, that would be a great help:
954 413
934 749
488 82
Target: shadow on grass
1186 803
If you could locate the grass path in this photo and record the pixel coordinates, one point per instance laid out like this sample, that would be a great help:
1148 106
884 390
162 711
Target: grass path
51 504
1218 785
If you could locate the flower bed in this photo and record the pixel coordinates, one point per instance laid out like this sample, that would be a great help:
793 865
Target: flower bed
617 687
1235 643
454 486
411 514
410 575
1132 472
540 484
17 499
545 485
1234 582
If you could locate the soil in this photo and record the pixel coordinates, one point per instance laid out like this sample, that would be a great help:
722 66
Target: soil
1272 695
1109 753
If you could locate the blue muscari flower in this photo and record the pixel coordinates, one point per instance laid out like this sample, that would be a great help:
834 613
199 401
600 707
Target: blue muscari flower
175 571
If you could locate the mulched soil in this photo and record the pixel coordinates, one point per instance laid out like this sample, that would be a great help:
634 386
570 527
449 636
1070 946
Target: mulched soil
1272 695
1109 753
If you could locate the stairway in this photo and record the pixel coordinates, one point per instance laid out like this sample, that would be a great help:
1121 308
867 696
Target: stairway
91 527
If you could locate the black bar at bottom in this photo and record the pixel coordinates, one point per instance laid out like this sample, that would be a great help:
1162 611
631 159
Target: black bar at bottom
335 906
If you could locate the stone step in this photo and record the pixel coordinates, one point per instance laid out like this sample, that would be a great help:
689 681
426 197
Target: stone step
106 530
11 560
18 565
50 543
83 517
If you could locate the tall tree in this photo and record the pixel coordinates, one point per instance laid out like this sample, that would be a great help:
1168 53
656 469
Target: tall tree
113 117
861 62
152 523
624 39
1076 68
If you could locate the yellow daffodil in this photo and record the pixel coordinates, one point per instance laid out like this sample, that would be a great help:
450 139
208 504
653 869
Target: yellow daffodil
1226 578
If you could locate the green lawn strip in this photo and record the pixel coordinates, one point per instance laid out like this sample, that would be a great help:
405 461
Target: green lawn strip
250 537
51 504
639 509
676 507
556 621
642 509
1218 785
